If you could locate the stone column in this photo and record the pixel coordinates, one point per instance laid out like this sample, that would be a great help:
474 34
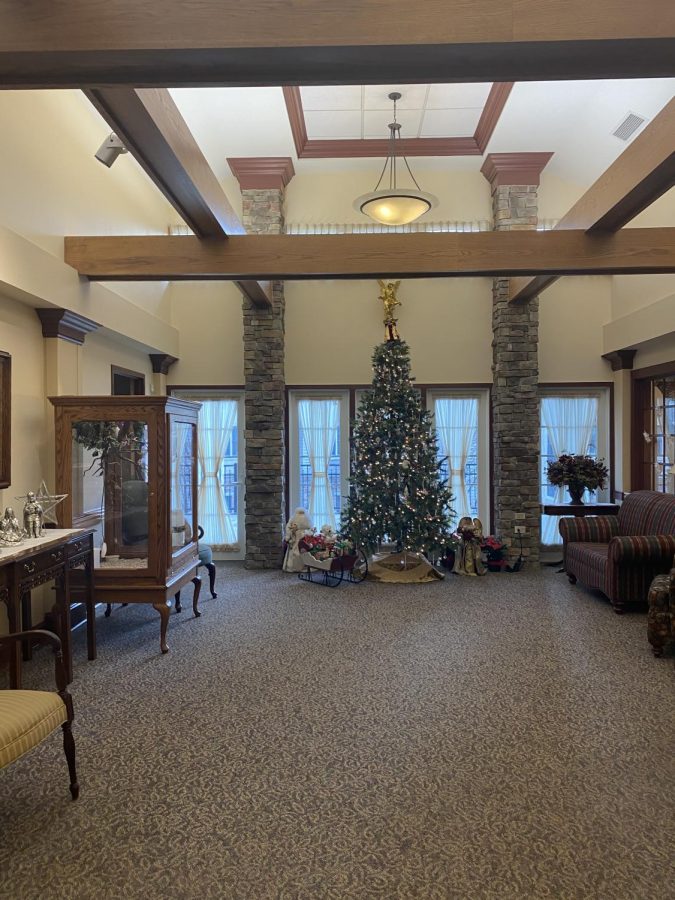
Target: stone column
514 179
262 184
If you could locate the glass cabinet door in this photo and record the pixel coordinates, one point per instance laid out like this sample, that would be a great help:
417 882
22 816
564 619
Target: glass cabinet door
183 515
110 483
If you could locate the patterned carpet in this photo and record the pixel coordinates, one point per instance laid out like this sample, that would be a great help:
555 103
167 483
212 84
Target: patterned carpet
505 737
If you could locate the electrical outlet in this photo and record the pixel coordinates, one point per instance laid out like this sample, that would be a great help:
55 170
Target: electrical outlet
520 529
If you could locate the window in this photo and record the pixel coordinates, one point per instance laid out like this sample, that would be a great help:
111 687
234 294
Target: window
462 427
571 421
319 454
220 469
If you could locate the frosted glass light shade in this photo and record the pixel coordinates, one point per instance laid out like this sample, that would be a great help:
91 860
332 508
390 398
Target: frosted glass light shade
395 207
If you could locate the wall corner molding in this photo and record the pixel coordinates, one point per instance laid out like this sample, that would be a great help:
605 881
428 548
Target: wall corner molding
514 168
262 172
620 359
161 363
65 324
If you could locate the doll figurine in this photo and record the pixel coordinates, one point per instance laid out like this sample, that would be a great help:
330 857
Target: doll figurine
297 526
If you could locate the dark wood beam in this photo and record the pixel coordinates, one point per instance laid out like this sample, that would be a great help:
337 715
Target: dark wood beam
643 172
216 42
422 255
154 131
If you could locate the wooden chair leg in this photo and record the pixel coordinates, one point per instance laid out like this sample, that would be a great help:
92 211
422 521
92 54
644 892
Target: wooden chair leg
179 608
164 611
211 567
108 610
69 750
195 597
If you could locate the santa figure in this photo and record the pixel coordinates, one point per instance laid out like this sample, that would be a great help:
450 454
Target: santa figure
297 526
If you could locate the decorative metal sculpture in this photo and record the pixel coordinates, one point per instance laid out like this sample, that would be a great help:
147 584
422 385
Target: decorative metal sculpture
11 531
388 297
32 516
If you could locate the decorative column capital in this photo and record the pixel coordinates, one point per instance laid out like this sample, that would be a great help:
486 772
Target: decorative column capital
64 324
514 168
262 172
161 362
620 359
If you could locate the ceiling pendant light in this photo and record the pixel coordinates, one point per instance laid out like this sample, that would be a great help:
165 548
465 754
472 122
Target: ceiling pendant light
393 205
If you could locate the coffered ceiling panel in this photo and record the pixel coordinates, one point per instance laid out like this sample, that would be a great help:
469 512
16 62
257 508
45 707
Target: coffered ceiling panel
456 96
333 124
375 122
413 96
449 122
329 97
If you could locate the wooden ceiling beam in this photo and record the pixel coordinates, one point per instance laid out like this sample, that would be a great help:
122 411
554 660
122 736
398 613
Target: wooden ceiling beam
421 255
155 133
643 172
86 43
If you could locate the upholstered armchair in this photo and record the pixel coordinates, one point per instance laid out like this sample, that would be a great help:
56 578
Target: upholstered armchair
661 615
28 717
620 555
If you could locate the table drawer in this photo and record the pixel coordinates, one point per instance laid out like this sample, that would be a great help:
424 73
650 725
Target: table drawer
79 545
41 562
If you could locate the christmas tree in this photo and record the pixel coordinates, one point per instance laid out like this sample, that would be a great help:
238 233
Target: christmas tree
397 494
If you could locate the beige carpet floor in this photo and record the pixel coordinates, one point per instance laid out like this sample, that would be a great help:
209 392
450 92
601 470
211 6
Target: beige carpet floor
504 737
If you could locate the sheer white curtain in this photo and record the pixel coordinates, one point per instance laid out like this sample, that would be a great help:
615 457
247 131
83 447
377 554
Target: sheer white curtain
217 419
319 421
567 423
179 444
456 426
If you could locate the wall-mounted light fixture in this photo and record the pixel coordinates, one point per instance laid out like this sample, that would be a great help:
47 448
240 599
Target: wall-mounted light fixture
110 149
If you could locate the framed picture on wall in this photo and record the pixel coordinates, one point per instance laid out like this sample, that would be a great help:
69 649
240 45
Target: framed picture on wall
5 419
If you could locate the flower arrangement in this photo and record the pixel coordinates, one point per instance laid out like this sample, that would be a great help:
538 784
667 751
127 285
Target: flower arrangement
578 472
496 553
322 547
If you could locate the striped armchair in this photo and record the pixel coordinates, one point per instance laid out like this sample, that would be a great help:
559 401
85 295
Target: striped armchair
620 555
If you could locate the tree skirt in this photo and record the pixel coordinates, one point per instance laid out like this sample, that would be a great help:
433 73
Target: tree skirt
402 568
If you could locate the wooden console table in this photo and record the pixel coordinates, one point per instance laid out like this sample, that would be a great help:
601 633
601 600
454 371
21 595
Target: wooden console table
53 557
580 509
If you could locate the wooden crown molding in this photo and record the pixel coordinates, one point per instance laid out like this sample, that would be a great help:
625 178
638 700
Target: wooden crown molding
161 362
470 145
514 168
64 324
261 172
620 359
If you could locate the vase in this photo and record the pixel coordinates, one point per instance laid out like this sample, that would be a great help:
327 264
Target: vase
576 493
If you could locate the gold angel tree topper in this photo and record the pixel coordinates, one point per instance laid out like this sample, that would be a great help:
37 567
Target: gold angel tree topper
388 297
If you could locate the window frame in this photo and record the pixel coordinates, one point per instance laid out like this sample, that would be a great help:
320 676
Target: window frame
483 395
294 396
198 394
603 391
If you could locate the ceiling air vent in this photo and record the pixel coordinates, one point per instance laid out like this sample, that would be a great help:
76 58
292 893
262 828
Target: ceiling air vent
628 126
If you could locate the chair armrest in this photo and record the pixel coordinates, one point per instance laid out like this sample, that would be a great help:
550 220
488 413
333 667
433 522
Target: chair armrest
642 549
40 636
594 529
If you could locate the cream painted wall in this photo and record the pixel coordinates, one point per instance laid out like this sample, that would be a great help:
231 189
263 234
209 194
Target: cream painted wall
100 351
655 353
51 185
332 328
571 315
556 196
208 317
328 198
21 335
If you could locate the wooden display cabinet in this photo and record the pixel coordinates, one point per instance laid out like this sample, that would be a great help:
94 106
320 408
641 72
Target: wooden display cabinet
129 468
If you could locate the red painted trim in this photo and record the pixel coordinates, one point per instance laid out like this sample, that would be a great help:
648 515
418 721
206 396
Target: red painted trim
514 168
494 106
261 172
353 148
